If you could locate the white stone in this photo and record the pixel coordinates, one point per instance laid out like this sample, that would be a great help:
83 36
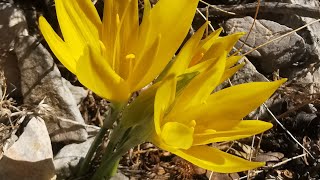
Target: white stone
30 157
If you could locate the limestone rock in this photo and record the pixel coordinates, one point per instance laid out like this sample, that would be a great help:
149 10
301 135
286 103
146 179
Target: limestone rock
79 93
306 76
69 156
41 82
30 70
30 157
277 55
12 24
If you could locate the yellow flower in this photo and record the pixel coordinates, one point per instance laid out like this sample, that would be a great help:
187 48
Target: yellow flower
188 119
117 56
196 55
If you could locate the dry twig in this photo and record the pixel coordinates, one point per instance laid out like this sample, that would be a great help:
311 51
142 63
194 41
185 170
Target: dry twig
266 7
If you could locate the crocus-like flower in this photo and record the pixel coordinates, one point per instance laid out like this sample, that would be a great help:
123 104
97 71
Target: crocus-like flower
188 119
117 56
186 123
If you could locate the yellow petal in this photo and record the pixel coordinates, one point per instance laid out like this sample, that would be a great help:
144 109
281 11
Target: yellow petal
208 41
171 19
127 37
58 47
232 103
112 14
130 26
109 28
245 128
232 60
139 70
120 26
86 29
222 44
203 65
204 46
215 160
211 127
92 15
198 90
184 57
96 74
70 31
237 101
146 9
200 67
164 98
230 72
177 135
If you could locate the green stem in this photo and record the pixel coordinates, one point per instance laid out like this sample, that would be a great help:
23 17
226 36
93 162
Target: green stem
85 164
115 110
109 166
110 159
107 124
109 163
108 169
116 135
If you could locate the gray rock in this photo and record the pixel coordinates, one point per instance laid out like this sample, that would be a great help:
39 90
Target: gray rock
119 176
30 157
305 79
41 82
247 74
79 93
30 71
68 158
277 55
306 76
12 24
66 161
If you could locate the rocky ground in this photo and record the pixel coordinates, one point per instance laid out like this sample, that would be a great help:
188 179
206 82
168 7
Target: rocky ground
48 120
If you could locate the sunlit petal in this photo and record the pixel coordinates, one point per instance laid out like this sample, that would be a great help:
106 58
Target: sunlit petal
221 44
204 47
208 41
164 98
58 47
245 128
230 72
71 34
91 13
234 102
216 160
87 30
232 60
172 21
96 74
204 83
200 67
184 57
150 55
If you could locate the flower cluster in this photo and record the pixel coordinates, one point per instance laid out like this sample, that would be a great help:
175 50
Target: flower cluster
118 56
